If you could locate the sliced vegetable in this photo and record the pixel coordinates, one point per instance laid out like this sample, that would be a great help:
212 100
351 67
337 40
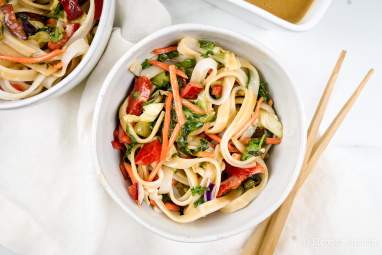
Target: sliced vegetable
161 80
13 24
236 177
149 153
72 9
59 38
150 113
139 95
143 128
166 67
32 60
191 90
146 64
172 207
164 50
28 28
253 148
197 190
192 107
122 136
263 90
98 4
175 90
129 171
217 90
133 191
273 140
271 122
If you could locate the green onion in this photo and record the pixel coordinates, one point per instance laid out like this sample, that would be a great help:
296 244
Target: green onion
197 190
145 64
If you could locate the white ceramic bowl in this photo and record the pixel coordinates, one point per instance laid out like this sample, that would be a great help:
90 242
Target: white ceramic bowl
262 18
84 67
284 163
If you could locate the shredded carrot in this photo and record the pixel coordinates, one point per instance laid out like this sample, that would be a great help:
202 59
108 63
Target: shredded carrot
52 22
171 142
217 139
255 116
245 140
164 50
177 99
171 206
214 137
152 203
166 126
174 135
192 107
32 60
206 154
130 172
272 140
19 86
166 67
270 102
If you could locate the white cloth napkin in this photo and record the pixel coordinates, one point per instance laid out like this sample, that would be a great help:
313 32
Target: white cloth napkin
50 198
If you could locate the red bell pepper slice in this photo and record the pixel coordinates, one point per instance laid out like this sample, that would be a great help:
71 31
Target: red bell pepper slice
13 24
236 177
140 94
149 153
72 9
217 90
98 4
70 29
191 90
133 191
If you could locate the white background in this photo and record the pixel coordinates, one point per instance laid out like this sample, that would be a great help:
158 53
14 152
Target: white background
339 210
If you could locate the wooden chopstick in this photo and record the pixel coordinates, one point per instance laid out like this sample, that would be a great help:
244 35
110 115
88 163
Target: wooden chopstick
264 239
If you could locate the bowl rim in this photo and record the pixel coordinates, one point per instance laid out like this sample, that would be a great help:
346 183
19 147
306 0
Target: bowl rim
74 78
174 29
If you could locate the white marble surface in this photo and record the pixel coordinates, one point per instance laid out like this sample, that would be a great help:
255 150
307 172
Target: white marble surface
338 211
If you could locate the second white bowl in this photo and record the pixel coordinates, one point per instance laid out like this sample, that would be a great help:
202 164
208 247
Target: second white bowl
284 163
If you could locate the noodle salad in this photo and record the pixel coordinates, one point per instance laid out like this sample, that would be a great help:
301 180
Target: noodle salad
194 131
42 41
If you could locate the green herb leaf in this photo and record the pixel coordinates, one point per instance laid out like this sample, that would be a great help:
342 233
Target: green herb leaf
162 57
173 54
207 45
197 190
57 12
199 202
161 80
263 90
57 34
145 64
253 148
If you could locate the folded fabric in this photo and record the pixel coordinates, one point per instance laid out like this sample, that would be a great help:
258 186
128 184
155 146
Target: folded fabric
50 199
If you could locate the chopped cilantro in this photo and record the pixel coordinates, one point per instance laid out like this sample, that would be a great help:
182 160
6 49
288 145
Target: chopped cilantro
263 90
207 45
57 12
197 190
162 57
253 148
145 64
199 202
57 34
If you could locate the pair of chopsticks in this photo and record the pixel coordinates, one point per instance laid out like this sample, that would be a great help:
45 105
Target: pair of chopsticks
263 240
